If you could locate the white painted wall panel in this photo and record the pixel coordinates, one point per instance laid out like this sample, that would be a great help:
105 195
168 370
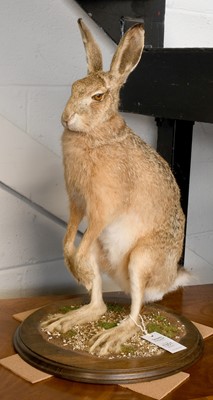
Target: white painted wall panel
44 109
190 5
188 23
27 236
184 29
32 169
13 105
201 181
37 279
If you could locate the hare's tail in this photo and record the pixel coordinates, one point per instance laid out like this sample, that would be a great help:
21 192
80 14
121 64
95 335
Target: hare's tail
183 278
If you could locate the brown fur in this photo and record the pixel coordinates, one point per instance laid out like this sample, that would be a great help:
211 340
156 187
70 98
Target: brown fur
124 188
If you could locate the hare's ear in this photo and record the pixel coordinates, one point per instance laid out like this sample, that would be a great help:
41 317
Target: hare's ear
93 53
128 53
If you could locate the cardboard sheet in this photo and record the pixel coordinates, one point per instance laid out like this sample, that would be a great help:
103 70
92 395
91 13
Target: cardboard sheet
159 388
24 370
23 315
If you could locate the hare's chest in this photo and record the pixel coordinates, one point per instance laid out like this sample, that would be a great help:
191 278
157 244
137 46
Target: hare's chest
119 237
77 169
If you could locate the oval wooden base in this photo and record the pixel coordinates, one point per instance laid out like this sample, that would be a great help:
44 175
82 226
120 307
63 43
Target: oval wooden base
83 367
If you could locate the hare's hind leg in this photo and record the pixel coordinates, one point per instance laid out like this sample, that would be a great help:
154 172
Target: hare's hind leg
109 342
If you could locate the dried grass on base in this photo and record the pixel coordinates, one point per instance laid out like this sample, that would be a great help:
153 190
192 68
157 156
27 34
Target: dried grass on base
78 338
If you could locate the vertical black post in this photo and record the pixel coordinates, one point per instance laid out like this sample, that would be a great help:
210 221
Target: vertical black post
175 144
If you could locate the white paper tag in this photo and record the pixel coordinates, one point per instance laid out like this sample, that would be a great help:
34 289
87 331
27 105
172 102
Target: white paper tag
164 342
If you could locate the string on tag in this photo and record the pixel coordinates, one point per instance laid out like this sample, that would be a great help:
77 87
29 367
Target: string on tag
142 326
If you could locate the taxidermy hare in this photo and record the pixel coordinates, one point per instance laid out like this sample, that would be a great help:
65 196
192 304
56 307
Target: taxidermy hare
127 192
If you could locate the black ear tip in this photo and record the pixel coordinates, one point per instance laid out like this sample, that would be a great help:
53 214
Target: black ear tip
136 27
139 26
80 21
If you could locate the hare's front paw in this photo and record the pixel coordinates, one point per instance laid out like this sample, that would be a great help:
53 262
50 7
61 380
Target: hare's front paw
84 271
110 342
80 267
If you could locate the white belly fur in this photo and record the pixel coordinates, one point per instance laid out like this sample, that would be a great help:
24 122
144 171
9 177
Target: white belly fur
119 237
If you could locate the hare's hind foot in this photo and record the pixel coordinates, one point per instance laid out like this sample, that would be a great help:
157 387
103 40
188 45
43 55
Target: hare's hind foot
63 323
110 342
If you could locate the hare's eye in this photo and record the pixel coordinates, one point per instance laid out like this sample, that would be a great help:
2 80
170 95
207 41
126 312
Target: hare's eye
98 96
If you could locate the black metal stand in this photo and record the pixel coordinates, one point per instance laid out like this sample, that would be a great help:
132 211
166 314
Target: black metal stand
174 144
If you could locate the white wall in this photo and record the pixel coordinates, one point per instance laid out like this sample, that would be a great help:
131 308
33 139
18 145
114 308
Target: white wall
189 23
41 55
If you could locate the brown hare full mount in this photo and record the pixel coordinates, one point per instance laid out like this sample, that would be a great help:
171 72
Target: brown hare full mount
127 192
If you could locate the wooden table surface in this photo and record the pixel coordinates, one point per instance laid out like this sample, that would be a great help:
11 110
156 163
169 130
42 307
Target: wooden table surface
194 302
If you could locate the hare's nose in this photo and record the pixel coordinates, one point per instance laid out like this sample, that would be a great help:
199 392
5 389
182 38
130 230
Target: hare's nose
66 116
